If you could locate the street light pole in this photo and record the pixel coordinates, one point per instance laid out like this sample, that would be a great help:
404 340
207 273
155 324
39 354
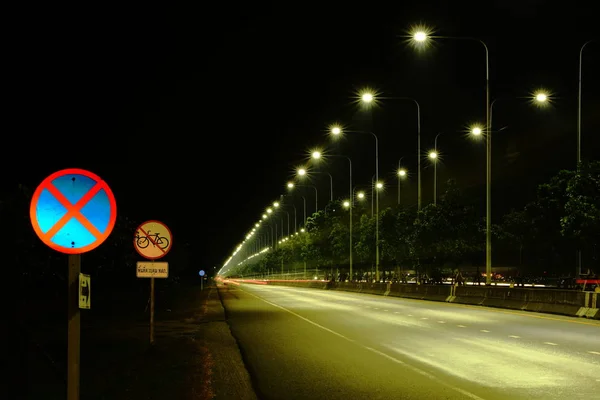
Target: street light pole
578 272
422 36
579 102
435 168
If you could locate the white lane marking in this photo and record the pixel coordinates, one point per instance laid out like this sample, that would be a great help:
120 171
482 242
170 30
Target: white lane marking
424 318
376 308
410 315
550 344
514 336
396 312
484 330
461 326
397 361
595 352
441 322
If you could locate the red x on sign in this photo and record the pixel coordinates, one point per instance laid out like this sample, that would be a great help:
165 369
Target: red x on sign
73 211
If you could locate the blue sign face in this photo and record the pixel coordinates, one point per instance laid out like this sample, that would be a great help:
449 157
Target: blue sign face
73 211
201 272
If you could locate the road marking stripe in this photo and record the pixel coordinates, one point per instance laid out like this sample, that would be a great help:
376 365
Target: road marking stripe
514 336
594 352
484 330
396 312
441 322
461 326
397 361
550 344
410 315
424 318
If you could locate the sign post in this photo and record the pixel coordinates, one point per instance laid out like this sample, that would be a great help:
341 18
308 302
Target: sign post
74 330
73 211
152 240
201 273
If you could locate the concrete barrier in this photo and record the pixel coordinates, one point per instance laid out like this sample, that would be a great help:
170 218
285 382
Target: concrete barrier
564 302
422 292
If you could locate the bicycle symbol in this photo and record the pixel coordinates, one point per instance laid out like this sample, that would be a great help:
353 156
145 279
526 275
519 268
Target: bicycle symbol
143 241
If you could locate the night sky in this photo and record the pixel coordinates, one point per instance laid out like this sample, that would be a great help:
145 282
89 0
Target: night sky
198 116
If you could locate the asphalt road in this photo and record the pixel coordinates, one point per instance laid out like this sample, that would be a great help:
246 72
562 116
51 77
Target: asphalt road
316 344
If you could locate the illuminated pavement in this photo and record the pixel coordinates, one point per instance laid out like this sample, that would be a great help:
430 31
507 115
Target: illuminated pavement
316 344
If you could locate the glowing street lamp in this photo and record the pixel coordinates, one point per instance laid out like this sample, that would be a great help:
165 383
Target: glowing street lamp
379 185
335 130
315 155
346 204
433 155
290 185
301 171
269 210
275 204
360 195
476 131
367 97
541 97
420 36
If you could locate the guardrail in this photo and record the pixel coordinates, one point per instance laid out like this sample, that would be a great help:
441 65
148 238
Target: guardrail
553 301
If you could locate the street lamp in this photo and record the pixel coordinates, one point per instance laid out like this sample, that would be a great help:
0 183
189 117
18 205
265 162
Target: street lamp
373 97
421 36
290 186
368 97
350 192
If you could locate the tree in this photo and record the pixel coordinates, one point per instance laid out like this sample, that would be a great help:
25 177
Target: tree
581 219
365 245
515 230
446 231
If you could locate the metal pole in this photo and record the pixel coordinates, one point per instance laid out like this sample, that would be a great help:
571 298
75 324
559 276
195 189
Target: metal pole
304 200
330 187
578 266
295 220
488 218
377 209
351 206
435 169
288 215
316 199
579 103
372 196
73 328
418 154
151 310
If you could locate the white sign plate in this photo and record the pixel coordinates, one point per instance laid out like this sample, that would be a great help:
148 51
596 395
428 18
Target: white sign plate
149 269
152 240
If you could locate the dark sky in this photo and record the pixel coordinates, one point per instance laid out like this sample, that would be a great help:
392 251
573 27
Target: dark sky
197 116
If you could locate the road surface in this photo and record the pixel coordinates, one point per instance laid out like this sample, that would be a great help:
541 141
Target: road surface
316 344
